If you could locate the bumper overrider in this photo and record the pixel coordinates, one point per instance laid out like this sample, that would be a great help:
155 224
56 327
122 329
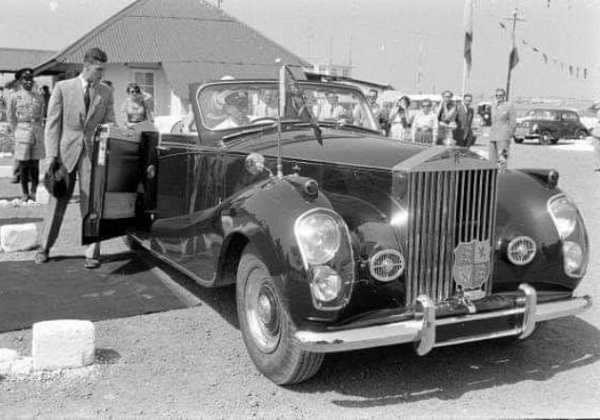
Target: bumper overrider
422 328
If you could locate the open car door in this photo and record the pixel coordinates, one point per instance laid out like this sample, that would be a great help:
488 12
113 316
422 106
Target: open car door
121 159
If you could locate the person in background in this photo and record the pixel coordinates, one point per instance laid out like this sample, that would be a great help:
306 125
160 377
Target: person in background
446 117
10 88
463 134
384 118
267 104
596 136
2 105
45 92
75 109
136 110
400 121
425 124
331 110
504 122
372 101
26 111
358 115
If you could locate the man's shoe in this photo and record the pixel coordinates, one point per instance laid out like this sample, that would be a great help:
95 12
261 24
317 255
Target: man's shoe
41 257
91 263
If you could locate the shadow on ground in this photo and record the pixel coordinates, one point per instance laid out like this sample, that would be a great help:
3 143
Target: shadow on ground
63 289
107 356
221 299
392 375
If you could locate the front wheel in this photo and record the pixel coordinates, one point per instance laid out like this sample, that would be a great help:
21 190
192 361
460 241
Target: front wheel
546 138
581 134
518 140
266 326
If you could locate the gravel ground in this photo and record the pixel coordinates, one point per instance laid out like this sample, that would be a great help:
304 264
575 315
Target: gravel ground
192 362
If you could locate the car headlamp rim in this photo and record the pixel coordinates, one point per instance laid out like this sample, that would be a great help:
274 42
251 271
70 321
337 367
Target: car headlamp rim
564 231
344 234
573 259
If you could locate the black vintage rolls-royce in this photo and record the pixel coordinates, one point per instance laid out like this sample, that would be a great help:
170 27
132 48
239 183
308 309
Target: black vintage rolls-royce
338 238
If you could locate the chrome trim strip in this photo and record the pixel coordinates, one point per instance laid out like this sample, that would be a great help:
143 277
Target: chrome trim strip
480 337
422 330
561 308
479 317
427 334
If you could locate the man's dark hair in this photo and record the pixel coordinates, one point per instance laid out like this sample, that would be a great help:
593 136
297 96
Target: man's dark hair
449 92
94 55
467 95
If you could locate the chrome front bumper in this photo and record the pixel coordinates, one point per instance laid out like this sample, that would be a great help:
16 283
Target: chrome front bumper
422 330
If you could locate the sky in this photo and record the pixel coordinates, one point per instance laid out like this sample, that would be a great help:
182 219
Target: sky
386 41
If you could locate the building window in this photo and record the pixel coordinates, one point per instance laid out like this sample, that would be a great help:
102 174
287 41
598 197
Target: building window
145 80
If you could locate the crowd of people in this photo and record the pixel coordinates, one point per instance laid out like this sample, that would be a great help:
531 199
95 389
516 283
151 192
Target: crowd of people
451 123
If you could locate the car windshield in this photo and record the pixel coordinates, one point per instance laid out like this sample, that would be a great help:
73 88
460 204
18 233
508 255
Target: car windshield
242 104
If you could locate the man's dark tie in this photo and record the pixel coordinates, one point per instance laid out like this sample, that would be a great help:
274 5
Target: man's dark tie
86 98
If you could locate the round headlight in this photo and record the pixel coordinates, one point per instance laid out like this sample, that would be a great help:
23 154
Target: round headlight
521 250
572 257
319 237
326 283
564 214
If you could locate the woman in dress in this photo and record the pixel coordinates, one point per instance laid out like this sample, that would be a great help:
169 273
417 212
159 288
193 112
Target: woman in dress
136 109
399 119
425 124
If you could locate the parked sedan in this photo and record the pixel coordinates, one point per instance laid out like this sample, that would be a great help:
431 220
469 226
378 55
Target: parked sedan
550 125
335 237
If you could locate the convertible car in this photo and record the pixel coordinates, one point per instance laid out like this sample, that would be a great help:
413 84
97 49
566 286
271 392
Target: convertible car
335 237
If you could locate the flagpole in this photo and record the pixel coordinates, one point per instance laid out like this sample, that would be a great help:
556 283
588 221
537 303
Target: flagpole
515 18
464 81
467 59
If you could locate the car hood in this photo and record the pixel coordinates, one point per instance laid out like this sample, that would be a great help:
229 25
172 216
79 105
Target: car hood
338 146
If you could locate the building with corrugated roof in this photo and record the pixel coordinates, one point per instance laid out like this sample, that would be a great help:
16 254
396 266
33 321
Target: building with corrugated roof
164 45
13 59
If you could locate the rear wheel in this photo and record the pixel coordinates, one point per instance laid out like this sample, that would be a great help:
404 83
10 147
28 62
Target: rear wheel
546 137
266 326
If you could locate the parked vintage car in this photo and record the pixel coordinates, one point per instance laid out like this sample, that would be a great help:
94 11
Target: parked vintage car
359 240
550 125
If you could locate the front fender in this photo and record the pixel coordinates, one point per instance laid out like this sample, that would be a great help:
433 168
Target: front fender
264 214
522 210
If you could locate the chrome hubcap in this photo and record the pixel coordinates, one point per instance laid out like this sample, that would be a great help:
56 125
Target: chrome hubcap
262 312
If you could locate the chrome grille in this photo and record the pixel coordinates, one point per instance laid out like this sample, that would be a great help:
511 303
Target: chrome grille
445 208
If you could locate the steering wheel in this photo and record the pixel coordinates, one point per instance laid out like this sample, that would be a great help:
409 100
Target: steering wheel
260 119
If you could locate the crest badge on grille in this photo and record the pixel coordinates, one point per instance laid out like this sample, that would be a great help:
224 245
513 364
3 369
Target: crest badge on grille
472 266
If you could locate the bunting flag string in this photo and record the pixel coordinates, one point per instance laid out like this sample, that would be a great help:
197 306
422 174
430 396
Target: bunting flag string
577 71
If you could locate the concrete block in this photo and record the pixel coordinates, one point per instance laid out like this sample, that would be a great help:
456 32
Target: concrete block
19 237
8 355
21 367
65 343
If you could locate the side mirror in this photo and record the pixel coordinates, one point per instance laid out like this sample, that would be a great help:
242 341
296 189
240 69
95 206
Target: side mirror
255 163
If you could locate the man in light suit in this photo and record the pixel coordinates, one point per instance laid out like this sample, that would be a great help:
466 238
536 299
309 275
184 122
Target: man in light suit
76 107
463 134
504 123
